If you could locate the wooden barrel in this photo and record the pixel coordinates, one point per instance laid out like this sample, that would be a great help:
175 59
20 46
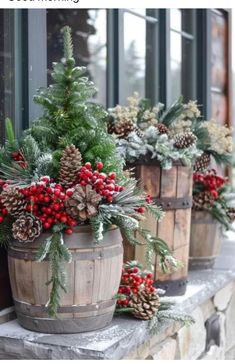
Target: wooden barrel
5 289
205 240
173 190
93 279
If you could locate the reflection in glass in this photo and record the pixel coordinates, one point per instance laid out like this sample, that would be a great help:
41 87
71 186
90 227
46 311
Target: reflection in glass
175 19
134 57
6 67
175 65
89 36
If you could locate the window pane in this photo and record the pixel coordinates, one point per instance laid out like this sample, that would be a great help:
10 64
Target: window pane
134 55
6 67
175 19
175 66
89 36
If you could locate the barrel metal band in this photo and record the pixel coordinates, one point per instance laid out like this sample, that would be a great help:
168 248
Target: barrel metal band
92 255
27 308
171 203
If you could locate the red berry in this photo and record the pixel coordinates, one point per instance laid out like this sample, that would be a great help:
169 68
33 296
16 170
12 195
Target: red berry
63 219
68 231
135 270
46 225
4 211
214 194
112 175
1 219
69 192
141 210
88 165
99 165
47 199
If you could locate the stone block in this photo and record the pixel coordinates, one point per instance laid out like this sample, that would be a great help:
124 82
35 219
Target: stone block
230 355
191 340
143 350
208 309
165 350
230 324
222 298
215 353
7 314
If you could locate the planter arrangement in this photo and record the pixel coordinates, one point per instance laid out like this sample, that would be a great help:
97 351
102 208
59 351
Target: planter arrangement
162 147
211 213
65 206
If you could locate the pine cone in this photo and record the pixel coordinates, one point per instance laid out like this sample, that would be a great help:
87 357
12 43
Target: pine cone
185 140
26 228
83 203
203 200
162 128
14 201
69 166
145 304
202 163
124 127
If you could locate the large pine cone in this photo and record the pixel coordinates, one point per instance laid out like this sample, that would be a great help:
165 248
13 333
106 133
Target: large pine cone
124 127
83 203
185 140
69 166
26 228
14 201
202 163
145 304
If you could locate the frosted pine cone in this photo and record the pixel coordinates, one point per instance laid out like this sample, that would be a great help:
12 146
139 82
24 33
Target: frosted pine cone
162 128
26 228
14 201
185 140
69 166
202 163
83 203
145 304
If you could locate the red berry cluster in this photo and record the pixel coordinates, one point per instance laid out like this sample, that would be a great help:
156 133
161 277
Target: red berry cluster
19 158
210 182
134 280
46 200
103 184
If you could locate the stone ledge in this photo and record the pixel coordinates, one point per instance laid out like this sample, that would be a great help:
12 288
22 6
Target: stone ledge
124 336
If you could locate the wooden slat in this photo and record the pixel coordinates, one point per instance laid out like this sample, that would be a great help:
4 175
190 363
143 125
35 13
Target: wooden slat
40 277
83 282
24 281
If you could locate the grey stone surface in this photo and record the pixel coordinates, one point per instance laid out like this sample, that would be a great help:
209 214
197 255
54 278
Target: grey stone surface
165 350
222 298
215 353
191 340
124 335
230 355
230 324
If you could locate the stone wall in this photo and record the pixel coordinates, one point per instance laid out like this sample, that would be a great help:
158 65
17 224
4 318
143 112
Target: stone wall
190 342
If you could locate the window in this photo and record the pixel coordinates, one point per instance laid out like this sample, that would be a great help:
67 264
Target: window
182 59
89 36
7 77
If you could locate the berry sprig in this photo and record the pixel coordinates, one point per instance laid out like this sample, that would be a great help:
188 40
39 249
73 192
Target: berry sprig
102 183
133 280
209 182
46 200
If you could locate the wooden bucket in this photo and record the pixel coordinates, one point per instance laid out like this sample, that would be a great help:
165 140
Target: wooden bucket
205 240
173 190
5 289
93 279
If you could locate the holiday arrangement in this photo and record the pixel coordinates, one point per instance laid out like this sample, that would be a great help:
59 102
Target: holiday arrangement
65 172
210 193
175 134
138 296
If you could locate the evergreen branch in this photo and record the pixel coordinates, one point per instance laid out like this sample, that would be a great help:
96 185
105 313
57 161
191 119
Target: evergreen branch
68 45
58 254
6 231
15 174
10 135
173 112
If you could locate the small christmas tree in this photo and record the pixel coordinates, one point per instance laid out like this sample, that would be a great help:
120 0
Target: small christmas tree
70 117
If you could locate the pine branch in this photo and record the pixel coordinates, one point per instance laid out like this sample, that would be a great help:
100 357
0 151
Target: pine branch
173 112
68 45
6 231
58 254
10 136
